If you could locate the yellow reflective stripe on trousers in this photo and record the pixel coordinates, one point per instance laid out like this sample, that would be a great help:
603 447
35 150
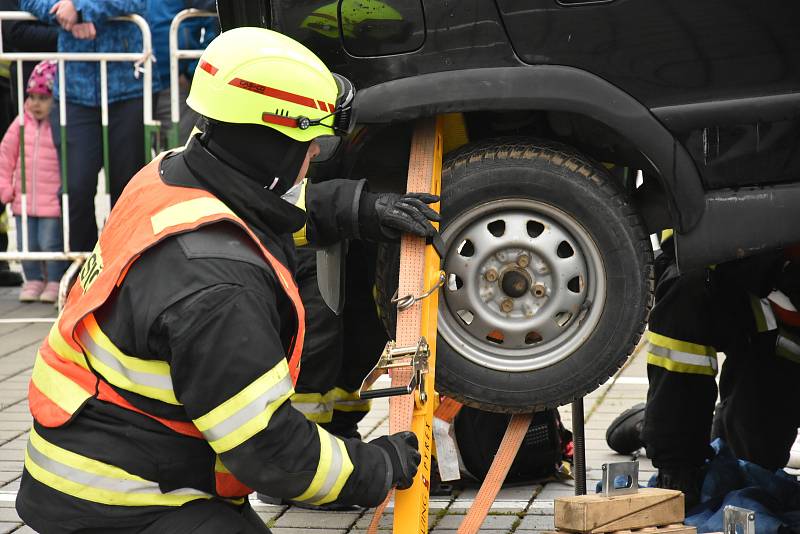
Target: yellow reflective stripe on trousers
349 401
787 346
248 412
763 314
333 470
64 349
679 345
150 378
681 356
187 211
65 393
91 480
315 406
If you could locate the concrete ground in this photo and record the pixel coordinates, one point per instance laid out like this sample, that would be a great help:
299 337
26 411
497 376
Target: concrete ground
522 509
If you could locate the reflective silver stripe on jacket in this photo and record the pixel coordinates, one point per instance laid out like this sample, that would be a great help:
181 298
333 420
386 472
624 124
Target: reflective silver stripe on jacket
98 481
249 411
334 469
163 382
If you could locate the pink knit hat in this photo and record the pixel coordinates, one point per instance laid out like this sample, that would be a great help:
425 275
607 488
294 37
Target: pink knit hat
42 78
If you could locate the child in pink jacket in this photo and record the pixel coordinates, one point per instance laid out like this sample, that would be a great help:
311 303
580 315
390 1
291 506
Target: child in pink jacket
42 181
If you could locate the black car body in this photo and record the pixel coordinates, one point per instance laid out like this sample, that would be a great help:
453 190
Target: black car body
702 97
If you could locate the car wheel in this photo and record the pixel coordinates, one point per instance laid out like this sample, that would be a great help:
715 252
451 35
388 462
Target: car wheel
549 276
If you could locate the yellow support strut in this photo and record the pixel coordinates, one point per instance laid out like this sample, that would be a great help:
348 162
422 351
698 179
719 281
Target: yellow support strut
413 502
420 278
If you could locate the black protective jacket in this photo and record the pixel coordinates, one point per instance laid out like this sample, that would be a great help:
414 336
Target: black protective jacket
208 304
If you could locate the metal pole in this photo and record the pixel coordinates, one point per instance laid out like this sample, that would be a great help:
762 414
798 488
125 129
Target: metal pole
104 127
579 449
23 181
176 54
62 123
174 110
147 90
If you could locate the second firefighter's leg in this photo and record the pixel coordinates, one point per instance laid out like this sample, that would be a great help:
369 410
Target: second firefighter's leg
760 416
322 350
681 366
364 339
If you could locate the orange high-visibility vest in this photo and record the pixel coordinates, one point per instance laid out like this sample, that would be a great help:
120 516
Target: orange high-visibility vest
148 212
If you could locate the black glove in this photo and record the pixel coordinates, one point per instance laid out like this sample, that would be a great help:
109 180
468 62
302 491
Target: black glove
403 450
384 216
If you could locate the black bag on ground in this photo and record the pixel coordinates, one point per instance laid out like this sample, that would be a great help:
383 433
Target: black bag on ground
543 448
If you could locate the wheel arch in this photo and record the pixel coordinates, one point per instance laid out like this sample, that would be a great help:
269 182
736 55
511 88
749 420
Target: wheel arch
547 88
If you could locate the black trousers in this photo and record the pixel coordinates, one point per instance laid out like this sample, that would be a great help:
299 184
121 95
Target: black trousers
209 517
759 410
84 136
340 351
198 517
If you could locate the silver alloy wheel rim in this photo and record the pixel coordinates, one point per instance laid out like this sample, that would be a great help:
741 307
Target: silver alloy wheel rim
525 285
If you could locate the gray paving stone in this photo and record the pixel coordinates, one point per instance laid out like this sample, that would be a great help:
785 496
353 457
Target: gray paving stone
6 527
9 515
261 507
300 530
460 507
19 426
540 507
518 493
492 522
14 484
295 517
387 519
6 465
15 444
11 454
268 517
8 476
537 522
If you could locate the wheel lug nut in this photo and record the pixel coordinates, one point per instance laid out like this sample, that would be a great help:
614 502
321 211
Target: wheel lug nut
507 305
539 290
523 261
490 275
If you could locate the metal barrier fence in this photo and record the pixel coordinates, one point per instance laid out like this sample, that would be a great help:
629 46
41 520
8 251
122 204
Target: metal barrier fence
143 62
175 55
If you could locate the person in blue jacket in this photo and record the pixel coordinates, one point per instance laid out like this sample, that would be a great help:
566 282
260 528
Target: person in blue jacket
194 33
85 27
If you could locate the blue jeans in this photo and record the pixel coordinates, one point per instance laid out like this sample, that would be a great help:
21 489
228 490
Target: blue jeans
85 159
44 235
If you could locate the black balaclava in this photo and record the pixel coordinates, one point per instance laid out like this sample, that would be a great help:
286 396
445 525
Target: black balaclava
263 154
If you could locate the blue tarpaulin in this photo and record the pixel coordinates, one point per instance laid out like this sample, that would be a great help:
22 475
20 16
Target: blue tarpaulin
773 496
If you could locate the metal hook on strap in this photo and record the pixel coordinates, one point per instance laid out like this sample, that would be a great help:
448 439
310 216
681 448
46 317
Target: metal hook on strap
403 303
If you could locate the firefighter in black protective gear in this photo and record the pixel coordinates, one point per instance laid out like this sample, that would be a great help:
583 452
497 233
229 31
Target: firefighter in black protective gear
161 395
746 309
339 350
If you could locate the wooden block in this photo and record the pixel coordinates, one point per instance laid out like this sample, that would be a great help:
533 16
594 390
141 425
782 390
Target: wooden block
669 529
650 507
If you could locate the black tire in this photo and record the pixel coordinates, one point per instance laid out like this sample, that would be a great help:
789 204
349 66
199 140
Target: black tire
557 176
